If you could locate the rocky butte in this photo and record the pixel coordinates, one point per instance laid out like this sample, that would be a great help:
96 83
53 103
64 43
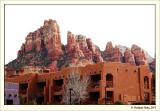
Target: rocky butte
43 48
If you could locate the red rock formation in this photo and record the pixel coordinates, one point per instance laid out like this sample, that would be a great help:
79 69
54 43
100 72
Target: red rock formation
23 48
29 42
37 40
48 36
43 47
153 65
52 39
109 47
117 55
88 55
19 53
112 54
53 66
139 55
72 48
98 57
70 42
81 40
78 52
129 57
153 62
91 46
108 52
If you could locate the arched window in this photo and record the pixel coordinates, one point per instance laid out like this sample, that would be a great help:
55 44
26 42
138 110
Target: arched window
146 82
109 80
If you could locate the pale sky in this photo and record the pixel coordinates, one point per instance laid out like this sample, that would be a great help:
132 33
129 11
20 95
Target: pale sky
121 24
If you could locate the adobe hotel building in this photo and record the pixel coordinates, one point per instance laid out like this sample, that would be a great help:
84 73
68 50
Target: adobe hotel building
110 82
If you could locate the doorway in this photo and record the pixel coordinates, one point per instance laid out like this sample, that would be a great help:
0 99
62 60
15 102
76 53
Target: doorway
9 101
109 97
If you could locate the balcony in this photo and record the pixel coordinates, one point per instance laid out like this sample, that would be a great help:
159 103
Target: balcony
24 91
109 100
58 85
94 84
57 99
41 90
23 88
41 86
94 97
109 84
146 97
95 81
109 97
93 102
57 102
90 101
146 82
58 88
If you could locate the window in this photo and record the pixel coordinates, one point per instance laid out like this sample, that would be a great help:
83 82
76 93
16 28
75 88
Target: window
57 99
93 97
9 102
40 86
109 97
95 80
23 88
146 96
146 82
58 84
109 77
40 99
109 80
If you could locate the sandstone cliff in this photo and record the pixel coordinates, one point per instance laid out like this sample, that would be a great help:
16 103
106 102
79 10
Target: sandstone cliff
43 48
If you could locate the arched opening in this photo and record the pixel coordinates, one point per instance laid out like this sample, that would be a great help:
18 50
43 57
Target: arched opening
109 80
57 99
9 101
40 99
109 97
146 82
93 97
146 97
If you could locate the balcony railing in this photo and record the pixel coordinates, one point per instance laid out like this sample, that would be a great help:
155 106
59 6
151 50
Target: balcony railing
57 88
41 89
109 84
94 85
91 101
109 100
24 91
57 102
